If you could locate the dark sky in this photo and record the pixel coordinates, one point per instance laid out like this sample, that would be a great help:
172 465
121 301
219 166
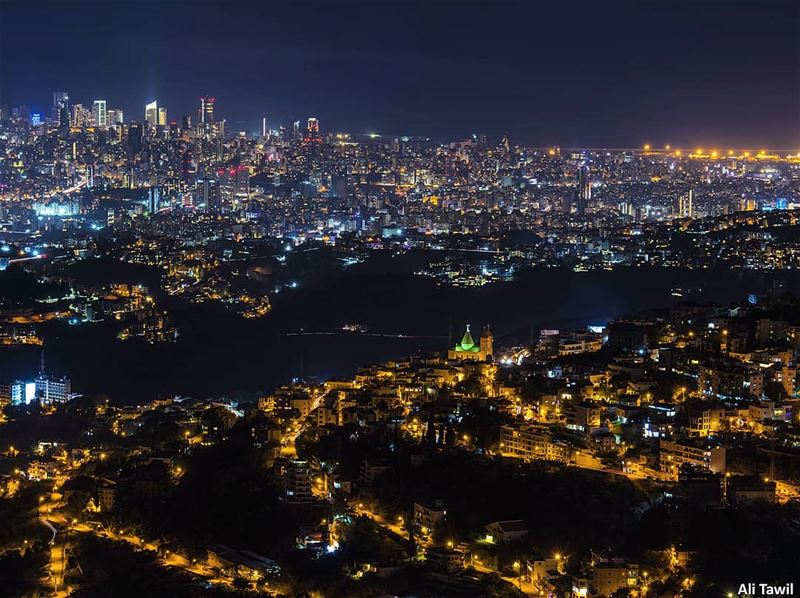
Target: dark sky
618 74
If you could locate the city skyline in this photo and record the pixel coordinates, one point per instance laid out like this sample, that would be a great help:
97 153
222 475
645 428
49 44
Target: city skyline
267 127
619 75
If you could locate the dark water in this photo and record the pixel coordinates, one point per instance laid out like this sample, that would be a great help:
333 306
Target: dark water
223 354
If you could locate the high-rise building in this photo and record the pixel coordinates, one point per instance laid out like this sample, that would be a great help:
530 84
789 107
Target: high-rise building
209 193
81 117
60 99
100 113
162 117
114 117
151 114
61 108
45 388
186 164
206 113
135 138
685 207
153 200
296 129
234 186
583 193
312 130
264 129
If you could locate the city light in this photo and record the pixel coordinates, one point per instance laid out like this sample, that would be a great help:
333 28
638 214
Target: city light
399 298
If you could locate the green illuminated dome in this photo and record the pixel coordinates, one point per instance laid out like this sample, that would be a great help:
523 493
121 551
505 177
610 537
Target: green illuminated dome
467 343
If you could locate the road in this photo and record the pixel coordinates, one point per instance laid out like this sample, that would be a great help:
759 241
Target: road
60 527
395 528
288 440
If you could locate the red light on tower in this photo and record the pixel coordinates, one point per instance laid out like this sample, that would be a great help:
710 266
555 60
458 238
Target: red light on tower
312 131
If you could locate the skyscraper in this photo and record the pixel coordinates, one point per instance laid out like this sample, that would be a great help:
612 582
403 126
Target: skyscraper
114 117
583 193
312 130
264 129
151 114
162 117
135 138
296 129
81 117
61 108
153 200
685 207
206 114
209 193
60 99
100 113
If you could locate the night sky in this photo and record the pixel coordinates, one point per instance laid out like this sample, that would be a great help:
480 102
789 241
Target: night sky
613 74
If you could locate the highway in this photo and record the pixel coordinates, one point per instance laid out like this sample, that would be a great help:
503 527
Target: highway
61 528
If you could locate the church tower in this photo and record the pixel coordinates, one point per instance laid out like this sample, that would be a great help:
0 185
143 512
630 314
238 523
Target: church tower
468 350
487 343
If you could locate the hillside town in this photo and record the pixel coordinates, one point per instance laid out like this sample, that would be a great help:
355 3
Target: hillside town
438 470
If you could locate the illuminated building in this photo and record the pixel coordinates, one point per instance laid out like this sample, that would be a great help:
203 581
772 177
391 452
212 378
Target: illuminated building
207 127
210 195
162 117
206 112
115 117
428 517
685 205
610 577
312 131
61 108
107 495
81 117
676 453
209 130
233 184
57 208
100 113
298 481
583 193
506 532
44 388
532 442
23 392
153 199
444 560
467 350
151 114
